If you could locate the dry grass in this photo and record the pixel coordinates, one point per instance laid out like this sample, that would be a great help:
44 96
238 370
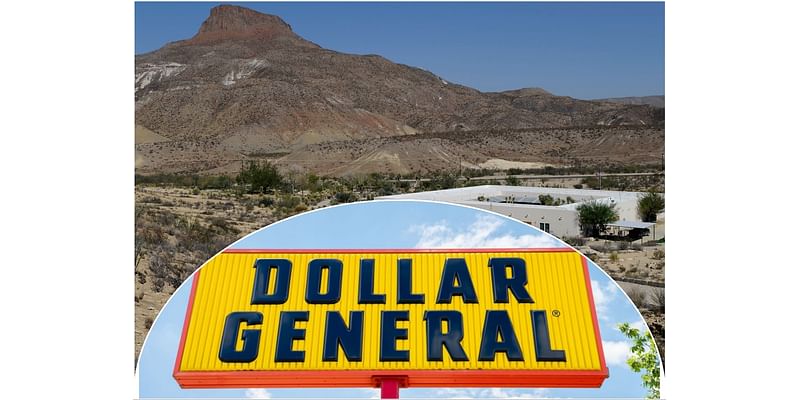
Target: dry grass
658 299
638 297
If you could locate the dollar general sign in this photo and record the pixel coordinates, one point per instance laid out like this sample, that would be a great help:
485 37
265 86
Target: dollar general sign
343 318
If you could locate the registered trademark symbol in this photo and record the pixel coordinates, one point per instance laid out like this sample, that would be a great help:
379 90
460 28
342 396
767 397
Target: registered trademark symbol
556 313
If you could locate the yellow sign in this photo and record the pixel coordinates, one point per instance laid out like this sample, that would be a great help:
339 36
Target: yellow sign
288 318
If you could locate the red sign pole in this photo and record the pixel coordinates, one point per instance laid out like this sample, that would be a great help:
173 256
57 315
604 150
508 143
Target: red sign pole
390 389
390 385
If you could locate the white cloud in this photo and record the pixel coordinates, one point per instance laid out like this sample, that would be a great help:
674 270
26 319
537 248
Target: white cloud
482 233
489 393
603 296
257 394
639 325
616 352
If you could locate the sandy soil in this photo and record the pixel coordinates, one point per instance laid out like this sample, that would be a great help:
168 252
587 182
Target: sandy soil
499 163
144 135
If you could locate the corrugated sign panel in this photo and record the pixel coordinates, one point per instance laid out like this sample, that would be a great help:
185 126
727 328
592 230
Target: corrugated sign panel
557 282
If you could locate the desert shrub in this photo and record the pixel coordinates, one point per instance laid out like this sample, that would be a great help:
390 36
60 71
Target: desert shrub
441 180
222 224
266 201
578 186
165 218
575 241
601 247
658 254
638 297
658 299
159 266
214 182
150 200
344 197
614 257
300 207
176 275
546 199
592 183
158 285
148 323
288 202
197 181
623 245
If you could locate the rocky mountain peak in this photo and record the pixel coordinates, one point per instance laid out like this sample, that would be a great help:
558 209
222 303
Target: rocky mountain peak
228 22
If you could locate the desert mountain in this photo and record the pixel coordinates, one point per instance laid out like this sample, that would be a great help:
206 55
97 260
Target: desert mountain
655 101
247 86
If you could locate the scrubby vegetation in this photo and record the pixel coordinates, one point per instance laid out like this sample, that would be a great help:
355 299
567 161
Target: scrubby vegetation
183 219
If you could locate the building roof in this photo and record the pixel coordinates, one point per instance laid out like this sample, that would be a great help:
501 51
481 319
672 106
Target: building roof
632 224
472 193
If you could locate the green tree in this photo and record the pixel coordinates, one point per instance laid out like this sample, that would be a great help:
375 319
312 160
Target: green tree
259 176
650 205
344 197
594 217
644 358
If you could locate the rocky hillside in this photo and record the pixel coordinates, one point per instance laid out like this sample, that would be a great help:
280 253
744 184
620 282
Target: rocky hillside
247 85
655 101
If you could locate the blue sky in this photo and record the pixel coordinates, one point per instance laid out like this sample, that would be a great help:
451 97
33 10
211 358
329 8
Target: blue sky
397 224
583 50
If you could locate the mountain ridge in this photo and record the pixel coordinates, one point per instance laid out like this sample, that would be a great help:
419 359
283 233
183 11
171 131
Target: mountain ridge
652 100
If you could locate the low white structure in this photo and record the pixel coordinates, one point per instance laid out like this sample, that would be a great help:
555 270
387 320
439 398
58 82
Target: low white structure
522 203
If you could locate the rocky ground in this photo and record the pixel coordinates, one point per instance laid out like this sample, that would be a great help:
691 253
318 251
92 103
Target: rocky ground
421 153
176 231
639 269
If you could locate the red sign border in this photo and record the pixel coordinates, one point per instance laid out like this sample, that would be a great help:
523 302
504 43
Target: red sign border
410 378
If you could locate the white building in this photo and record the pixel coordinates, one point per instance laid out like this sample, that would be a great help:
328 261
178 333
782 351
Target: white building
523 203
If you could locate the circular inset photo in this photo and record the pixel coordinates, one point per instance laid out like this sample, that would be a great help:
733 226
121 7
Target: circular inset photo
399 298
